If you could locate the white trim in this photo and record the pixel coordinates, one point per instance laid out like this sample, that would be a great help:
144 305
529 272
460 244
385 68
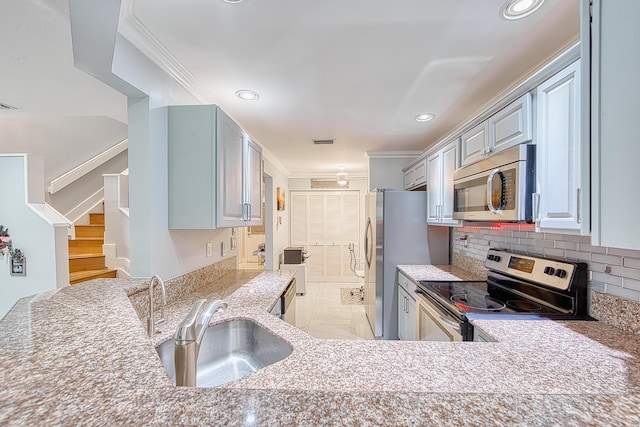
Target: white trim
131 28
393 154
78 172
511 93
266 155
123 265
86 206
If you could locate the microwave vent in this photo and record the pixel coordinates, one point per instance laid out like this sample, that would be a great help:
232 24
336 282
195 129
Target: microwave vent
323 141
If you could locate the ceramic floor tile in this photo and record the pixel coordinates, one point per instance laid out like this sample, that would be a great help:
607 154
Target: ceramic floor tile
321 314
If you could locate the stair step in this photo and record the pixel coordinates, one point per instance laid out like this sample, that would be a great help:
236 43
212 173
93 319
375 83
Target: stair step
86 262
91 230
83 276
86 246
96 218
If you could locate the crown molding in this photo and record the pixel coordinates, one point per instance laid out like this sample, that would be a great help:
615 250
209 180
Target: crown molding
393 154
132 29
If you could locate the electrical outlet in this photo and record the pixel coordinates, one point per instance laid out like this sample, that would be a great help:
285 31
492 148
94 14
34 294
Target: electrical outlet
223 248
209 249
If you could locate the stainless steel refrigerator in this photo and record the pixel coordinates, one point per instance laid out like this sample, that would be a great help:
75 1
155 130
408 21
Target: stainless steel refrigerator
396 233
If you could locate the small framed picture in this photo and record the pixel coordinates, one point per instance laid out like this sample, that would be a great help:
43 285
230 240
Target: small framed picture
19 266
280 199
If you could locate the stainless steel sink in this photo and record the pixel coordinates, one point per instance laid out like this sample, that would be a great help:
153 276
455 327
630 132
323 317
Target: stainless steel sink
229 351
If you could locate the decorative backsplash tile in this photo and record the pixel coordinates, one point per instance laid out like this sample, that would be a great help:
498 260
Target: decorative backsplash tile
612 272
181 285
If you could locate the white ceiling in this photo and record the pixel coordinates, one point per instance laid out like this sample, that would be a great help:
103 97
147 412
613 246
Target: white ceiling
357 70
354 70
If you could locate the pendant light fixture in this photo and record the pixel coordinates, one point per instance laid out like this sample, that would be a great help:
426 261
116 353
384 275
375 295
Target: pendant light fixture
342 178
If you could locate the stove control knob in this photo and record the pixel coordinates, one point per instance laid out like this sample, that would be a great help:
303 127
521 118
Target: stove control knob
549 271
491 257
496 258
561 273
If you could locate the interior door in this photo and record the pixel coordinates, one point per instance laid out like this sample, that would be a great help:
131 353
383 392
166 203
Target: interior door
325 222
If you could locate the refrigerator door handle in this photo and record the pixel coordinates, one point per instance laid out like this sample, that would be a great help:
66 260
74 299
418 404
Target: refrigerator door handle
368 249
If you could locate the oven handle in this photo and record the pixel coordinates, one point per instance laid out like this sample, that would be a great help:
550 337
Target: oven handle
450 323
428 300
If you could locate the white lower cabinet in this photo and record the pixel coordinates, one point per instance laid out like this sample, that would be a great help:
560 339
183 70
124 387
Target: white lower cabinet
406 309
561 201
440 168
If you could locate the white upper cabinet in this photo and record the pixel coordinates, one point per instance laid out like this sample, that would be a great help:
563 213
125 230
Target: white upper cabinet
510 126
615 89
415 175
215 170
560 197
440 168
475 143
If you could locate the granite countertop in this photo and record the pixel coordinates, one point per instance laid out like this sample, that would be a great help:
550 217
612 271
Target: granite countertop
81 356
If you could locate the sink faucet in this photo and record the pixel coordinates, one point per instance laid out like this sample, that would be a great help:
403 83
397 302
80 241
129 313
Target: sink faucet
151 321
188 338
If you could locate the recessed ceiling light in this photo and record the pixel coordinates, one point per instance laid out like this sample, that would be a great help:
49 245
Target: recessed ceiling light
518 9
247 95
424 117
233 1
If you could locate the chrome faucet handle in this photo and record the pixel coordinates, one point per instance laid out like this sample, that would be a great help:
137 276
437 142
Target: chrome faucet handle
187 328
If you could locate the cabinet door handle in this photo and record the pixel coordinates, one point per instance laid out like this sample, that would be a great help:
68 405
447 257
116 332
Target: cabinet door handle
405 304
578 205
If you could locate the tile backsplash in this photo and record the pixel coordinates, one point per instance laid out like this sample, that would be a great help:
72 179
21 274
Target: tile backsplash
612 271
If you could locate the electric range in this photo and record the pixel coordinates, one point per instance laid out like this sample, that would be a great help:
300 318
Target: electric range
518 286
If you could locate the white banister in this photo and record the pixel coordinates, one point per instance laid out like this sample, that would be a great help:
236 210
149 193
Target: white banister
78 172
116 220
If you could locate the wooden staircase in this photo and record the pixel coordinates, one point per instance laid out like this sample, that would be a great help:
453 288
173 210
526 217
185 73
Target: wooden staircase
86 260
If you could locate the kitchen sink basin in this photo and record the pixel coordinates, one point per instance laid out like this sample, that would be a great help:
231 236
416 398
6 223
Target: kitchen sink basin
229 351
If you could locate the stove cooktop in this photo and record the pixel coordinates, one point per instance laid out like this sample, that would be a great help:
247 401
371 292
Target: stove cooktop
517 284
484 298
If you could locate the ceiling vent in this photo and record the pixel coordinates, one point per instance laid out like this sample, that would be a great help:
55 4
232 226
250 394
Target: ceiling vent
323 141
6 107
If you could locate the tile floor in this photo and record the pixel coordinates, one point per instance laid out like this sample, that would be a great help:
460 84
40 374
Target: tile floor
320 313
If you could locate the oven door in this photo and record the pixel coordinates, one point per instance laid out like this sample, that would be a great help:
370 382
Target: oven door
434 323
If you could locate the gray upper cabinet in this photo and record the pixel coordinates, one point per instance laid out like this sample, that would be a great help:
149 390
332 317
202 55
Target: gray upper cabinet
615 88
510 126
215 170
561 202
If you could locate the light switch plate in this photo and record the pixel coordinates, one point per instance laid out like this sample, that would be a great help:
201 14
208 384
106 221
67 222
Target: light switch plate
223 248
209 249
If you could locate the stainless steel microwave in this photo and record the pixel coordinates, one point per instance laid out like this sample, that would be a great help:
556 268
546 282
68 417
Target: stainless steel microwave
498 188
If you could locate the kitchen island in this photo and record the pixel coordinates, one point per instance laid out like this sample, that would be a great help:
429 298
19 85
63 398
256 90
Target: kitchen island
81 356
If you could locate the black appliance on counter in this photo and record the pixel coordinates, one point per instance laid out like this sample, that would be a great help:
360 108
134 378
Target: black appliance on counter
295 255
518 286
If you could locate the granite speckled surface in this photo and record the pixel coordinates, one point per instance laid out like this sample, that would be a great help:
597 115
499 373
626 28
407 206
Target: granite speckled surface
81 356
